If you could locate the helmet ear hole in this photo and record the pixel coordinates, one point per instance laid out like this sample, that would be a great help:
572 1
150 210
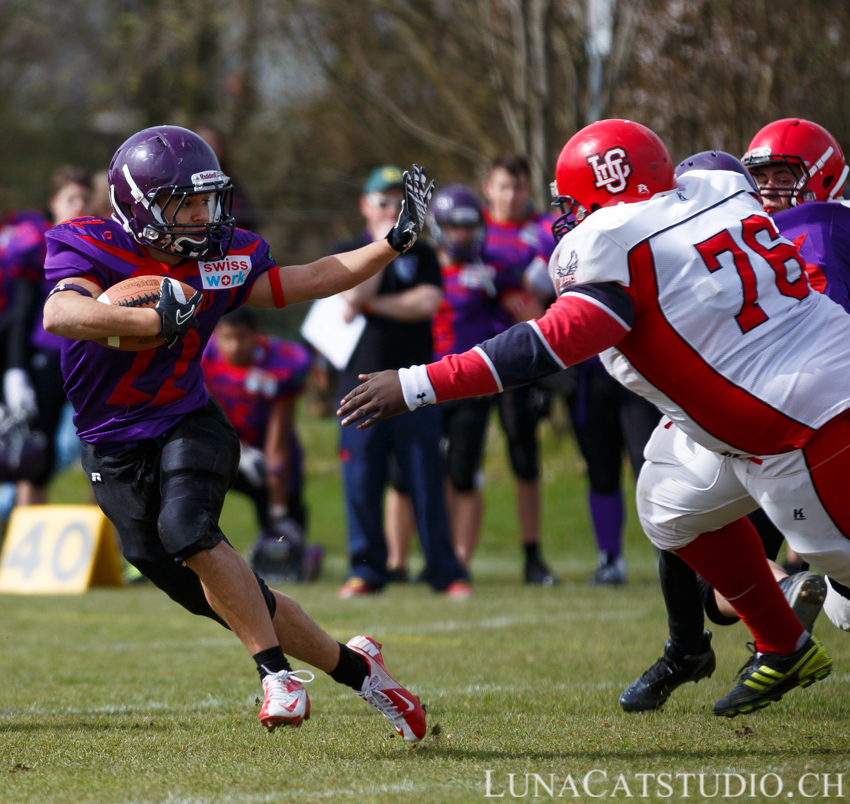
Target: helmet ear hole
594 207
827 180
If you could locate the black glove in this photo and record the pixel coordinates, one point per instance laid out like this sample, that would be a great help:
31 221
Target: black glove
414 207
175 319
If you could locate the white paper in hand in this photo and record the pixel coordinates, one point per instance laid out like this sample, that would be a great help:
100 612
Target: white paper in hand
325 329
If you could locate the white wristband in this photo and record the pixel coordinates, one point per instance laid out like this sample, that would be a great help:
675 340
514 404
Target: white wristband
416 387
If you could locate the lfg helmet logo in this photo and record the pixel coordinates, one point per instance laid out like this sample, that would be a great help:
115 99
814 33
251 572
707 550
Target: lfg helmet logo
224 274
611 170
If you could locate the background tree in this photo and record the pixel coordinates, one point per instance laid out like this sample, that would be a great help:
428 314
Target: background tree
311 94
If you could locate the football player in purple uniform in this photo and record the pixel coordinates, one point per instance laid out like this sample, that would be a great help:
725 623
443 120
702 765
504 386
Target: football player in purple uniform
516 239
257 380
159 452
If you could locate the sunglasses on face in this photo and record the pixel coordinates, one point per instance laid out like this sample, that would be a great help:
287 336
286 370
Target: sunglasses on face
381 201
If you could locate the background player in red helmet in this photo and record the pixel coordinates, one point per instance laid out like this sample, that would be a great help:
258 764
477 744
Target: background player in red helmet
794 161
688 294
159 452
257 380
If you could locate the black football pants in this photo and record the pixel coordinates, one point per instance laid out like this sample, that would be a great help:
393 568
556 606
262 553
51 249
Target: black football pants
165 502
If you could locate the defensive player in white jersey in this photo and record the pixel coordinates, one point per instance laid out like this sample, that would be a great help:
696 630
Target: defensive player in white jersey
799 170
692 298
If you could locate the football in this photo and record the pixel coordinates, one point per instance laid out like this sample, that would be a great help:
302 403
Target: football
140 291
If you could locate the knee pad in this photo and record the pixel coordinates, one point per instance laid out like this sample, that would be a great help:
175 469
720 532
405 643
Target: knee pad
466 479
199 463
837 606
187 521
522 452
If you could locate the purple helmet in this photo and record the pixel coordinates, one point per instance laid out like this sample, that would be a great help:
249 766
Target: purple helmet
457 205
715 160
150 177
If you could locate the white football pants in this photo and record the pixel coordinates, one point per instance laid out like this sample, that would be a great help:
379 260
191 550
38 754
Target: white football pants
685 490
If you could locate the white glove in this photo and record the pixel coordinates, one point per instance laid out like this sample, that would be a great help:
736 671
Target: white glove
252 464
18 393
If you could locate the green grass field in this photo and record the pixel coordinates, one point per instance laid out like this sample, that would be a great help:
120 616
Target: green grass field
120 696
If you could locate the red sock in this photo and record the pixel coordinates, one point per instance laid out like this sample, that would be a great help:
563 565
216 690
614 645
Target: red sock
733 561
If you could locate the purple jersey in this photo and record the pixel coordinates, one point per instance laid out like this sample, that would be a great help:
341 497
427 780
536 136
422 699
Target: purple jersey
511 246
468 313
27 253
821 231
21 252
122 397
247 393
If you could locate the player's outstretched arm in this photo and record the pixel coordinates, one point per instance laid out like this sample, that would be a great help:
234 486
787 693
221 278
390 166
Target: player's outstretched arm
575 327
79 317
335 274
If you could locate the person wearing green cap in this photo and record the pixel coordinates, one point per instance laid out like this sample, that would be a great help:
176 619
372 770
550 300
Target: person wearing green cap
398 303
382 179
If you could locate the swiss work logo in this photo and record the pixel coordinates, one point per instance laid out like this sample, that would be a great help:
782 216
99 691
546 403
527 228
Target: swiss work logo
226 273
611 170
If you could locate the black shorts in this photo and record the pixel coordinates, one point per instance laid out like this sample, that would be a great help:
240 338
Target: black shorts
608 419
465 428
165 502
520 411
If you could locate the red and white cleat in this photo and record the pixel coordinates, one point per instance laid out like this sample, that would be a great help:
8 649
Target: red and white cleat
286 702
382 692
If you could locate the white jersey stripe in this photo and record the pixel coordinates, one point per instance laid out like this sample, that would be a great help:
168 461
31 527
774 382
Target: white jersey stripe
490 366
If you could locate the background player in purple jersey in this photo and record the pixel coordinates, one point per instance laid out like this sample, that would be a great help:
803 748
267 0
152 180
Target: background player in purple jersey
160 454
821 230
514 239
31 348
257 380
21 255
21 252
471 311
468 315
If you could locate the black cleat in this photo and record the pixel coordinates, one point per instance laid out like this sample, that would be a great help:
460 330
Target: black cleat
536 572
673 669
766 678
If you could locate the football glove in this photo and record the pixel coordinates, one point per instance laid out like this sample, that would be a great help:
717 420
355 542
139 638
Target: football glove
175 319
252 464
414 207
19 394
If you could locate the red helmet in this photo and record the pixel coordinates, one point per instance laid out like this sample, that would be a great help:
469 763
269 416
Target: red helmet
607 163
809 150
